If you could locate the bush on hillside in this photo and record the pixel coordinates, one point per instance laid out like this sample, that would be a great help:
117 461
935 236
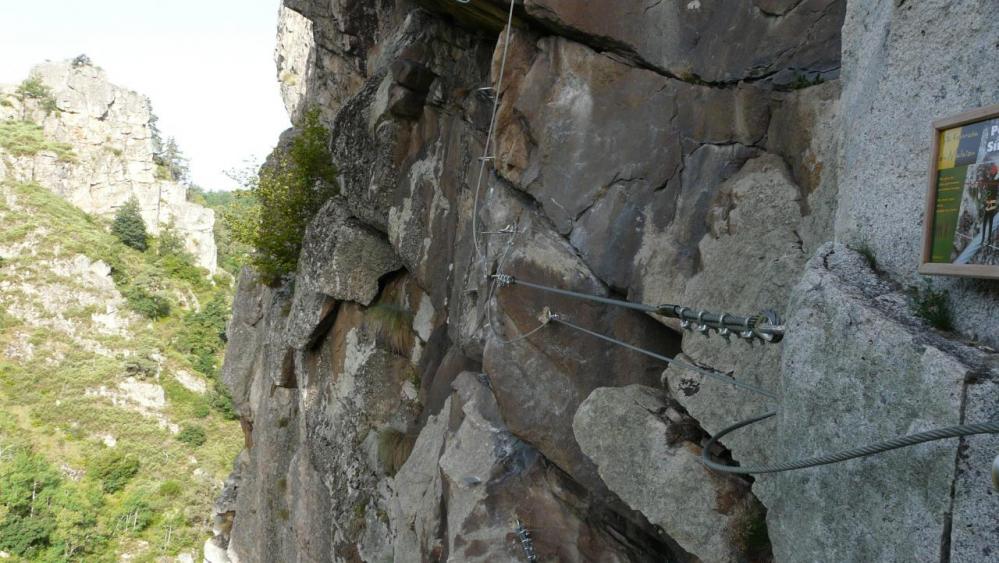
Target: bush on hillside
192 435
33 88
113 470
289 190
129 227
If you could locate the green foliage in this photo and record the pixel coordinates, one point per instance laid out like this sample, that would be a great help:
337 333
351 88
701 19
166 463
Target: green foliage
220 400
289 190
33 88
192 435
170 488
77 520
867 252
203 335
146 303
27 488
113 470
129 227
232 209
932 306
802 81
23 138
171 164
392 325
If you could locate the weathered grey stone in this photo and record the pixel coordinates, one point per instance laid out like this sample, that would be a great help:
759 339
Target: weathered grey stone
887 106
618 134
694 39
643 457
858 368
493 480
295 59
109 130
540 381
750 260
343 258
805 133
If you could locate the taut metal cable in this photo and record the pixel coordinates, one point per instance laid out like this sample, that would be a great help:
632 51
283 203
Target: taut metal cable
713 374
765 325
991 427
489 133
837 457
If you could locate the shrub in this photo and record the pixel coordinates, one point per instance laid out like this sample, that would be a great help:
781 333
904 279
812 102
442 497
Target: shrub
170 488
149 305
192 435
203 334
221 401
932 306
33 88
129 227
23 138
289 190
113 469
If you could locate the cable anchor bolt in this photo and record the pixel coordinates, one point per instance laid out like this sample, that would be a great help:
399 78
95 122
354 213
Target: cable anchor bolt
503 279
723 330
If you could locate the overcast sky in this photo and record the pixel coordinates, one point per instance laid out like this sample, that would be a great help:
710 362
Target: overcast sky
207 66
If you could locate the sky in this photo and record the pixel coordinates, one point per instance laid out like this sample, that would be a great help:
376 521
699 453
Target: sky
207 66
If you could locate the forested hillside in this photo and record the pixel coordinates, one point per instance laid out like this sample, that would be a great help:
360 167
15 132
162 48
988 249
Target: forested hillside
115 434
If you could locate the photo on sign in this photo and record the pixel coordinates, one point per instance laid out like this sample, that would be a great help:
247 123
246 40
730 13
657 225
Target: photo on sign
965 218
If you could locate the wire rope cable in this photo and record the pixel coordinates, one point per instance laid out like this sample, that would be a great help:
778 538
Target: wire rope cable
991 427
490 131
713 374
844 455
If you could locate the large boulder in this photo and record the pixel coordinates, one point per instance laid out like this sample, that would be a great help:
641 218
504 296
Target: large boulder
641 445
891 51
858 367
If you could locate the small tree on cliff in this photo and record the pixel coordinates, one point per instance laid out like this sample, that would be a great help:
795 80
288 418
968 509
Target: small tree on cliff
288 191
129 227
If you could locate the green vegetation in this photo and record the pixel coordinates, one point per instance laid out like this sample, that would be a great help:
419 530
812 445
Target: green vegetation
230 209
129 227
287 193
867 252
192 435
23 138
932 306
33 88
113 470
64 495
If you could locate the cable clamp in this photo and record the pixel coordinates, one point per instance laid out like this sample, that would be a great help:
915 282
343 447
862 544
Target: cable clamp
503 279
547 315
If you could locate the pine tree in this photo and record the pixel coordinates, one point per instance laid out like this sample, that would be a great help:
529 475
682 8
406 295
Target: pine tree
129 227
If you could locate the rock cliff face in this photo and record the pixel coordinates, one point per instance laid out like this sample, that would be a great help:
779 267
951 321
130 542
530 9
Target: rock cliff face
109 131
398 405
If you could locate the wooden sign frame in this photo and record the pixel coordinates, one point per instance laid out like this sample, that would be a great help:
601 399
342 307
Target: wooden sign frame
938 267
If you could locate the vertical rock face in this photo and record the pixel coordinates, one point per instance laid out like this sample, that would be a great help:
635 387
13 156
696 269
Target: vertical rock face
109 131
679 152
889 100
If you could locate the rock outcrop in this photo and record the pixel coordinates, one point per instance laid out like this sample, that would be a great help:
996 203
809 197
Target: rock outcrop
668 152
109 130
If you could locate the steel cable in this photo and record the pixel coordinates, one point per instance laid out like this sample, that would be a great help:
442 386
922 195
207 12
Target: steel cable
837 457
490 131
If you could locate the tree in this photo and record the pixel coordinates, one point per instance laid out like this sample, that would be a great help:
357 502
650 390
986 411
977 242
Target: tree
289 190
129 227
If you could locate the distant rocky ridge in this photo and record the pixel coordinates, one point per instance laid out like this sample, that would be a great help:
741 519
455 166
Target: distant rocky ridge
110 131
